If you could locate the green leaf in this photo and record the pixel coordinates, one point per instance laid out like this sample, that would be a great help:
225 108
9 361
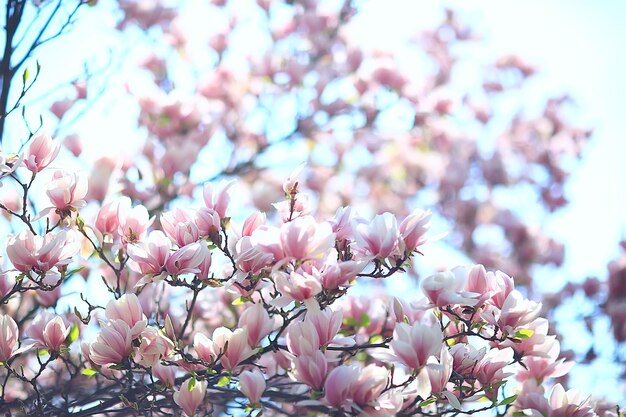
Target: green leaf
223 381
42 352
74 333
518 414
524 334
428 402
192 383
365 320
25 75
508 400
376 339
238 301
89 372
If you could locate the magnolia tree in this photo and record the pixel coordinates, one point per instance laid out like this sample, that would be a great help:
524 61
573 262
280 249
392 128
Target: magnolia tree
122 295
273 331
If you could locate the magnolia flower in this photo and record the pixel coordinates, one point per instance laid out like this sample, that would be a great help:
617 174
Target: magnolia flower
445 288
55 334
378 238
190 396
414 344
218 198
113 344
128 309
9 335
132 221
42 253
252 385
41 151
257 322
67 191
311 369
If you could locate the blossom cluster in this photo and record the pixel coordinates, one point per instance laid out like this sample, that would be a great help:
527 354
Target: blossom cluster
206 316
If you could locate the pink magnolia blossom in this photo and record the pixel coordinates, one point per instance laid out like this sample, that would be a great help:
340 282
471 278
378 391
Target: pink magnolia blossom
132 221
232 345
340 384
378 238
42 253
415 344
413 229
439 372
106 219
445 288
252 223
179 226
252 385
67 191
217 198
154 345
112 345
9 335
164 373
128 309
41 151
560 403
190 396
187 259
208 222
151 254
298 285
326 322
304 239
257 322
55 334
302 338
311 369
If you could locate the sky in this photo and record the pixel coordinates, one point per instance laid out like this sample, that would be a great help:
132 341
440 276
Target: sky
578 45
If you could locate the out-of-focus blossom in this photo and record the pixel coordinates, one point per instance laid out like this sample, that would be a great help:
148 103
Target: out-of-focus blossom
252 385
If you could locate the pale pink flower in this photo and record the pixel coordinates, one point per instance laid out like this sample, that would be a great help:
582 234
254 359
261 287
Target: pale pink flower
187 259
42 253
106 219
9 335
378 238
128 309
516 312
445 288
311 369
190 396
60 107
341 223
257 322
302 338
298 285
370 384
208 222
413 229
340 384
415 344
237 350
152 254
304 239
132 221
326 322
67 191
340 275
217 198
154 346
55 334
252 223
179 226
112 345
164 373
41 151
490 369
252 385
439 372
37 326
